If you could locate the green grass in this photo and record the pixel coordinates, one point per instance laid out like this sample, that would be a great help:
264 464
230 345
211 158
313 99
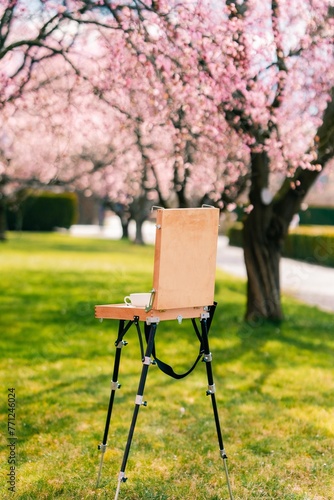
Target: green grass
275 386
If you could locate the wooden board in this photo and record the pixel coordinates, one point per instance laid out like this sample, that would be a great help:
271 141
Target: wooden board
185 257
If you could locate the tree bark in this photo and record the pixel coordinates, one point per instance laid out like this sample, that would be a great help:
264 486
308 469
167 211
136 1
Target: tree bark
262 247
262 257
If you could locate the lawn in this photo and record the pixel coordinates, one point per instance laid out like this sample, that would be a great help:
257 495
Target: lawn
275 386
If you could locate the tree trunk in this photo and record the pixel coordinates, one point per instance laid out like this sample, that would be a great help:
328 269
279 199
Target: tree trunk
139 240
262 258
123 212
264 232
261 249
140 210
125 228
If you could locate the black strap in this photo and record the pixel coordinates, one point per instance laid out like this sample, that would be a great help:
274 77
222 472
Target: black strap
169 370
164 367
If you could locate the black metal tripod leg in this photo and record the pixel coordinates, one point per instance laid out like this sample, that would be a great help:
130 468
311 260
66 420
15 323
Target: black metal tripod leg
211 392
138 403
114 386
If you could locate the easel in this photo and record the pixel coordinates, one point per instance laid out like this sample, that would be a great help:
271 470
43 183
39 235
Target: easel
183 288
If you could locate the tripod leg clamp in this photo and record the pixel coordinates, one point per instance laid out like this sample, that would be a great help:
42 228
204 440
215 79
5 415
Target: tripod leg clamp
207 358
115 385
139 401
211 389
120 344
121 477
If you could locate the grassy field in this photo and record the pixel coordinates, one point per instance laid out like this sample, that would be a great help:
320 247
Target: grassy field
275 386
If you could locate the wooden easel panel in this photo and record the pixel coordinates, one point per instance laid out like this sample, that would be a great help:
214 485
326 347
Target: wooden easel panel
185 257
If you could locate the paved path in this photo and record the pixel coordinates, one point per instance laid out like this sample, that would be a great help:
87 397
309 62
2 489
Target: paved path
310 283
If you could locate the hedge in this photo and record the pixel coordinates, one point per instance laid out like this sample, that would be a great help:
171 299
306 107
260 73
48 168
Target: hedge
322 216
313 244
234 234
313 215
44 211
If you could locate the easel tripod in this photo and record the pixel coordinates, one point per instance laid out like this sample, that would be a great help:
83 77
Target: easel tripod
150 328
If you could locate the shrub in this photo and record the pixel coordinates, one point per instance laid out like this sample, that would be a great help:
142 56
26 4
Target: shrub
322 216
313 215
235 235
43 211
314 244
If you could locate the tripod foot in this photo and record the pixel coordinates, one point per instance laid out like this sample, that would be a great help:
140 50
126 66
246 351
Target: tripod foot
102 447
121 479
224 457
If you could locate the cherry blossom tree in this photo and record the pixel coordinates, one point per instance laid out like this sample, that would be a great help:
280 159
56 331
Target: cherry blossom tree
184 103
33 33
30 34
154 108
278 107
180 136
